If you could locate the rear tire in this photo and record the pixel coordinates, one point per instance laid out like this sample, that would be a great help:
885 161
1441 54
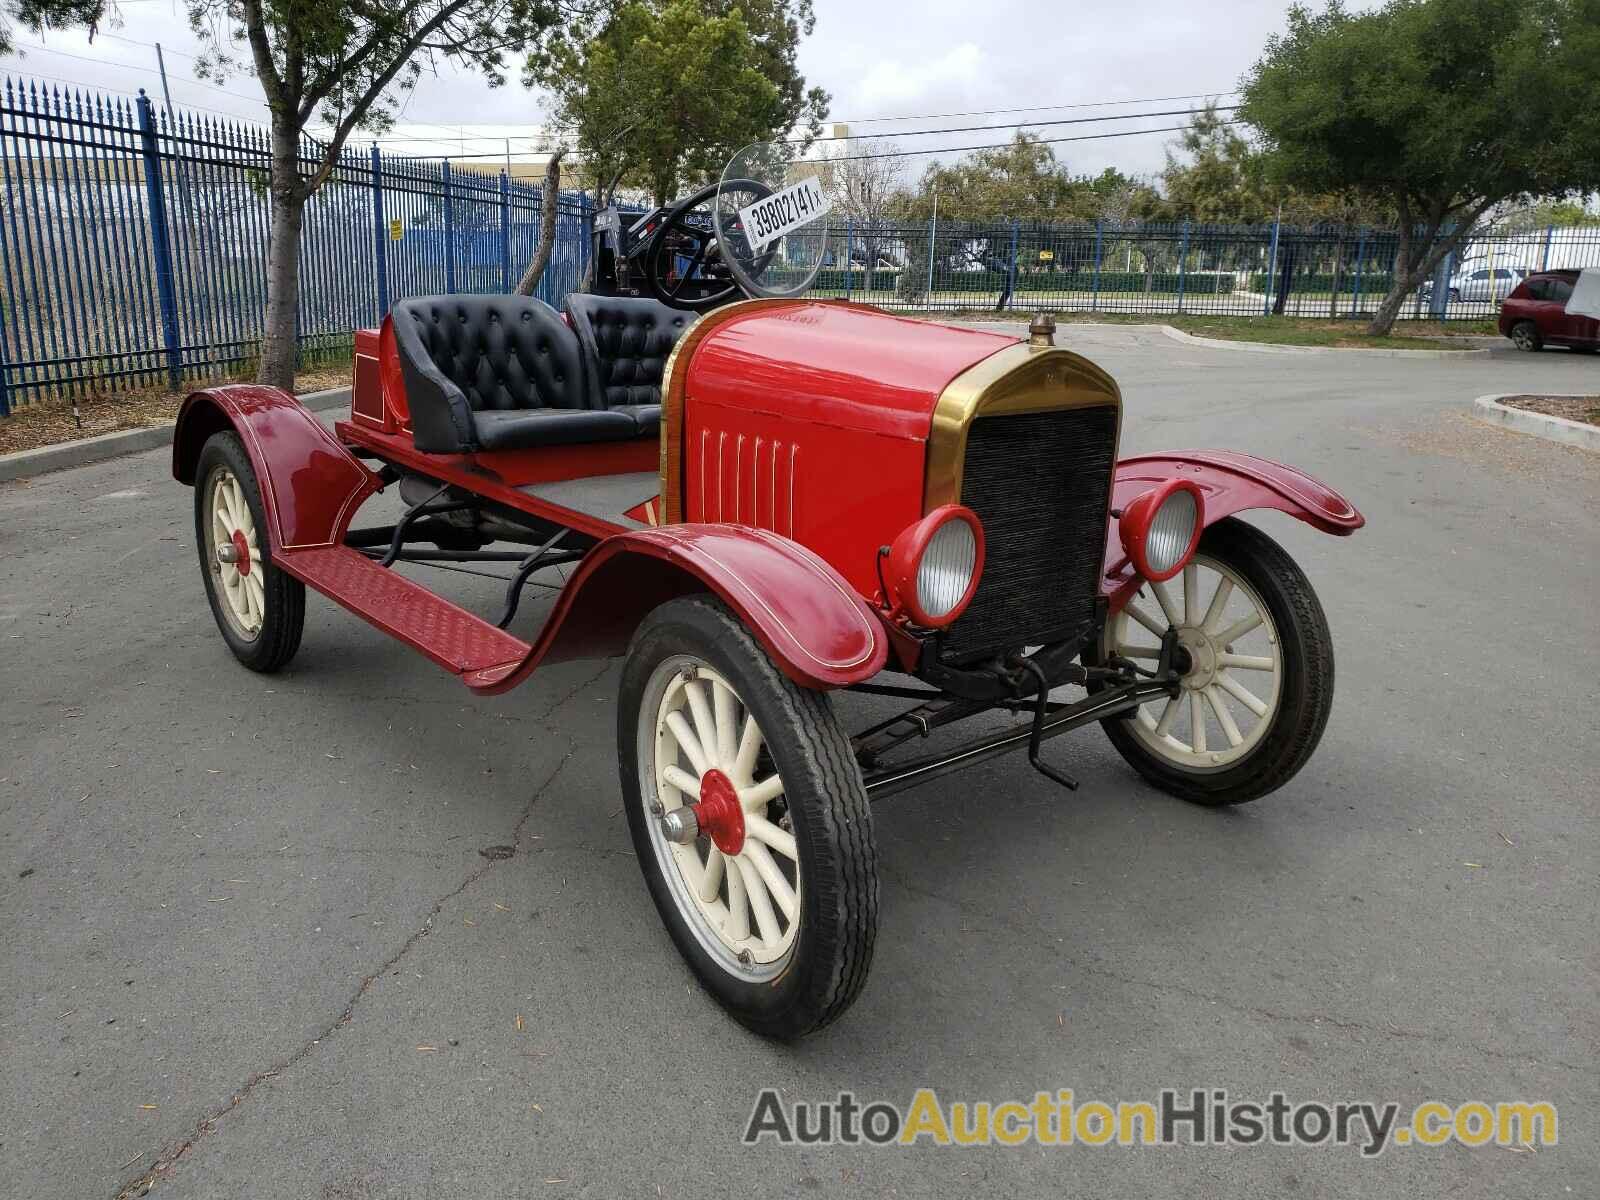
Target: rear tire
700 698
1525 336
260 611
1291 635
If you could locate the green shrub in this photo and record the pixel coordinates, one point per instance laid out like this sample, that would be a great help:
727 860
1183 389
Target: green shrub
1373 283
1203 283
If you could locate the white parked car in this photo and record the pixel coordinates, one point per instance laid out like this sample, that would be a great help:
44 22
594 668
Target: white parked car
1482 284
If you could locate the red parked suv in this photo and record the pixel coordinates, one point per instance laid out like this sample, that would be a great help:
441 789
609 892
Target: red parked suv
1535 314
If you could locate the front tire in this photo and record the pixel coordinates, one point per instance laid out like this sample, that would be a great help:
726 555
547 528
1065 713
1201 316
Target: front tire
1525 336
778 927
260 611
779 921
1256 697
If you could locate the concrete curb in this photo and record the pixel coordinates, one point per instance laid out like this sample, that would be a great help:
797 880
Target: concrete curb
1191 339
27 463
1552 429
1179 335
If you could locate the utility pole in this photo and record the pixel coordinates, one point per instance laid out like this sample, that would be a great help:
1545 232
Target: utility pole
185 201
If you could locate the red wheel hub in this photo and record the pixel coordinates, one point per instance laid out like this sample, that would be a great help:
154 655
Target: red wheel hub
242 550
719 813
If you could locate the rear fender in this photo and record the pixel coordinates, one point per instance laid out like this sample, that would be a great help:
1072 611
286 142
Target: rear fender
818 631
310 484
1230 483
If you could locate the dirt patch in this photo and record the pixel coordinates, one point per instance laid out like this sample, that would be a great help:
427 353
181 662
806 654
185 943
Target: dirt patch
1584 409
50 422
1461 436
1284 331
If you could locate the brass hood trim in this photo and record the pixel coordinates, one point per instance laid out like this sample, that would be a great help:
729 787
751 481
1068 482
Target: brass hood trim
1018 379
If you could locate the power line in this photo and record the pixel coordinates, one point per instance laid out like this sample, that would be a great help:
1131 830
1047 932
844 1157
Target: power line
992 112
1082 137
97 89
1019 125
100 62
190 81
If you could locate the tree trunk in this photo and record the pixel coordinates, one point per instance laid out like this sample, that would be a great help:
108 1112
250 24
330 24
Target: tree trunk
1286 257
279 345
1383 320
1406 276
547 227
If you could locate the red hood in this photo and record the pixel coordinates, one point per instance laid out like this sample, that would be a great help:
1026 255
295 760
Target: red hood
839 365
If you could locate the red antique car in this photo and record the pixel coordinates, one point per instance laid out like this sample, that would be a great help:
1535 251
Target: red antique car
775 500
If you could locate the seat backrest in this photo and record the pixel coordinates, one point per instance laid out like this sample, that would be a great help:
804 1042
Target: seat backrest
499 352
625 342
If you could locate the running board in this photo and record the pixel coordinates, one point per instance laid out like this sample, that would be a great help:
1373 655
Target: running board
459 641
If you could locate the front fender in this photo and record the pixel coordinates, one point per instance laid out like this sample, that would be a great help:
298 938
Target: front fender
310 484
1230 482
819 631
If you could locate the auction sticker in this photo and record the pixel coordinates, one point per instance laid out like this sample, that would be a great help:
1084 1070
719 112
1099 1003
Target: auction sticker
783 212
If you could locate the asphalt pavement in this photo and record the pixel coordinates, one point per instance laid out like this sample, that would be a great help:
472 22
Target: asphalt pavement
253 945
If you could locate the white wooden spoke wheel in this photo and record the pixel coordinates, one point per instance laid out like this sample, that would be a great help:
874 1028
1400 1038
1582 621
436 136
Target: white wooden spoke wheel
1256 670
260 610
738 883
749 819
1231 649
233 552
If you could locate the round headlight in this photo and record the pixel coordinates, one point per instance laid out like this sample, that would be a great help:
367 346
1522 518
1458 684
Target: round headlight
1167 543
933 566
948 564
1160 528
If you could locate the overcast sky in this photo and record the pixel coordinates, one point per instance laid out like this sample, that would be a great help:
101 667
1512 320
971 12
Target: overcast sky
876 60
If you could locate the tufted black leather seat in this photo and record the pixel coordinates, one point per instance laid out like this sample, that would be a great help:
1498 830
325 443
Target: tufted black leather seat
625 342
497 373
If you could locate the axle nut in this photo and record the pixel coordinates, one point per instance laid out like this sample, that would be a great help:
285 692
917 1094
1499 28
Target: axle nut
680 825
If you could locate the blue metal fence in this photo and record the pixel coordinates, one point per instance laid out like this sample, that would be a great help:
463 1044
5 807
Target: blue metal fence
133 249
1180 267
133 241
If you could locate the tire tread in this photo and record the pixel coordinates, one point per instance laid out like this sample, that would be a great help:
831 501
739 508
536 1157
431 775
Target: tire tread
846 895
284 622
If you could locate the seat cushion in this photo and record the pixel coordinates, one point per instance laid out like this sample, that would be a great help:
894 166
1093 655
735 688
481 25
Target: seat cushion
625 342
465 355
646 417
527 428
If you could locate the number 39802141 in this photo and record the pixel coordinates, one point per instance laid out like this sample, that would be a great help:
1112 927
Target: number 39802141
783 212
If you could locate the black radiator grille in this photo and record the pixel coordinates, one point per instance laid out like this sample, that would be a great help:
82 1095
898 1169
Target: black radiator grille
1041 484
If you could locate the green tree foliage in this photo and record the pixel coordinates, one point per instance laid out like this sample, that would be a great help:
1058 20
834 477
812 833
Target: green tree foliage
40 15
1220 181
657 93
1021 179
1217 177
1445 108
349 64
1560 213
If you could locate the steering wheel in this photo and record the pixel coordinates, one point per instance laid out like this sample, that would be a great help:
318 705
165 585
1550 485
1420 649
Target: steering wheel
684 265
